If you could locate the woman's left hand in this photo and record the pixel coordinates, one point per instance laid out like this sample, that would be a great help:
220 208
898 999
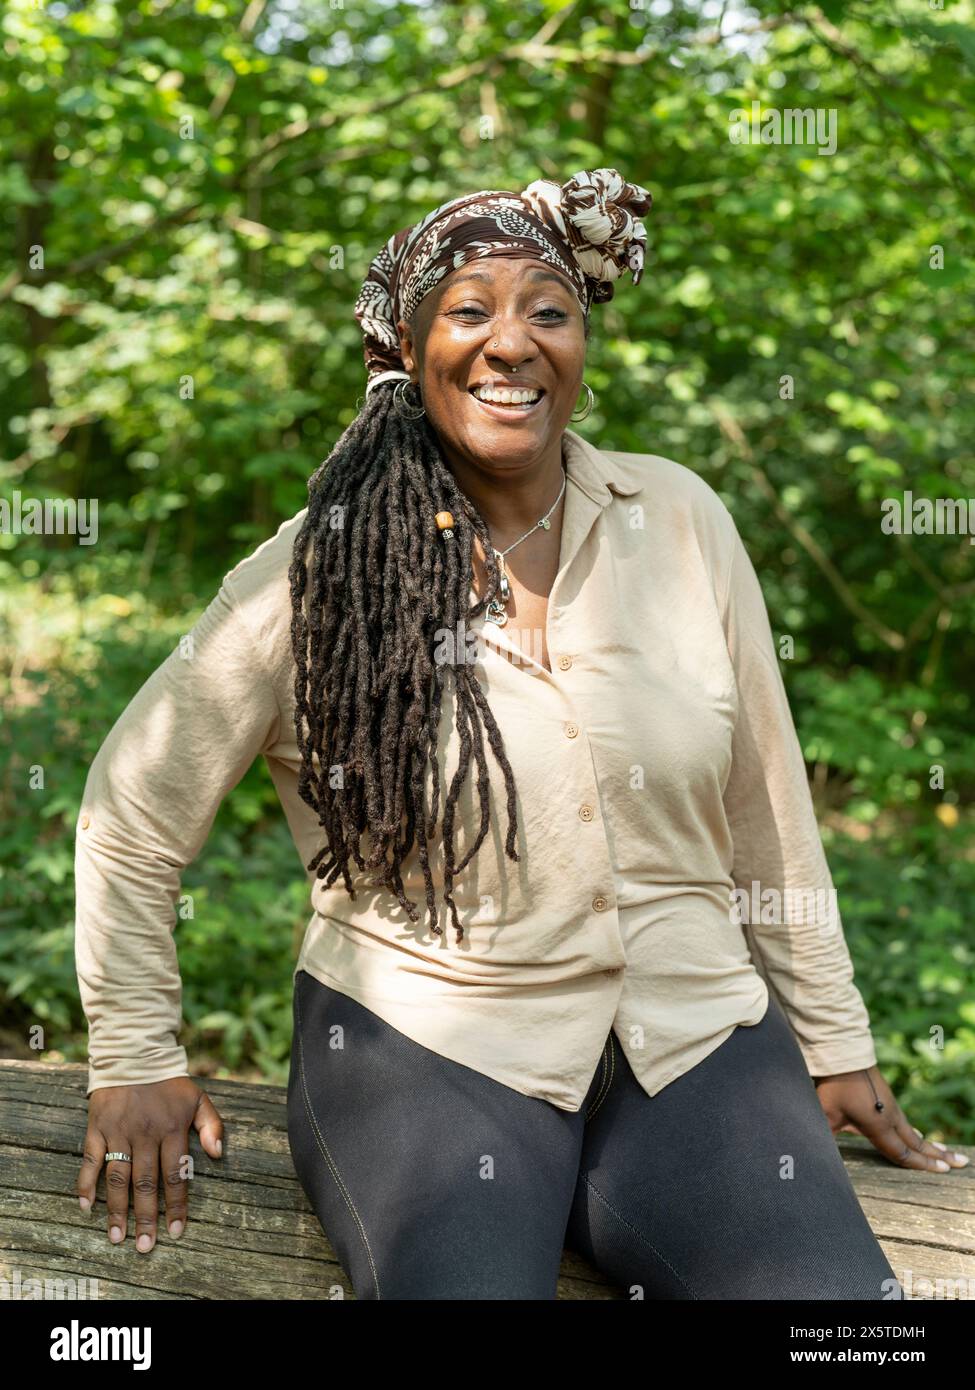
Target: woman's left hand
849 1103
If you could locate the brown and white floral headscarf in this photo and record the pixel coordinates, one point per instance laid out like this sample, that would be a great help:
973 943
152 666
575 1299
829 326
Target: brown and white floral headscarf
588 228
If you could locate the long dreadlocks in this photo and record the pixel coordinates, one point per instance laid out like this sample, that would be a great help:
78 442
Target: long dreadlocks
383 590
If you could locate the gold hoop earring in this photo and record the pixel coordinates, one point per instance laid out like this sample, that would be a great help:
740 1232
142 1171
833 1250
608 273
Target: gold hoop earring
589 405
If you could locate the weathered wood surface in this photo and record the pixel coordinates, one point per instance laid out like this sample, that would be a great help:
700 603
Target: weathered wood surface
252 1233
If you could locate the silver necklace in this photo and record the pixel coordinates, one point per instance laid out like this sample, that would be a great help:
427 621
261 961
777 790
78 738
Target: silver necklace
496 609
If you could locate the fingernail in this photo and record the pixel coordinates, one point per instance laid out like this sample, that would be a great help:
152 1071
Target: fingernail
176 1229
961 1158
85 1204
942 1147
115 1234
941 1166
219 1147
144 1243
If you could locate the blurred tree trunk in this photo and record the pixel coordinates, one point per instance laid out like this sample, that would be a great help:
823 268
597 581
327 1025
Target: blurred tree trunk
31 233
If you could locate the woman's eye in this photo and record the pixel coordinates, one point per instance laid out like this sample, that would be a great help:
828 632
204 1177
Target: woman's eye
558 315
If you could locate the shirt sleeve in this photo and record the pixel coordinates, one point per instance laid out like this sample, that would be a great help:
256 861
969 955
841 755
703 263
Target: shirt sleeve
784 888
150 798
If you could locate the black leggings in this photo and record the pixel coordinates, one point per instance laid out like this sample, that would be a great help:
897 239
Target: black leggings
433 1181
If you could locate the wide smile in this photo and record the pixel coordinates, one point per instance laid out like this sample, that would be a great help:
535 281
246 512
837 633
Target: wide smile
510 414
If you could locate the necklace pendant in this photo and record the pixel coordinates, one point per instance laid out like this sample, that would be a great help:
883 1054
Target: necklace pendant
495 613
546 523
504 588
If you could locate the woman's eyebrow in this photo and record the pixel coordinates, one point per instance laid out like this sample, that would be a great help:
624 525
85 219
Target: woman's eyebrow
540 274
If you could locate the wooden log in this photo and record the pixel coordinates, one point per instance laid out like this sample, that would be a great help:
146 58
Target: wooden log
253 1234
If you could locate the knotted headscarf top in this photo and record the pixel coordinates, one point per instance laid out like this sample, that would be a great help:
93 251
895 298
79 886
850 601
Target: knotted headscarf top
588 229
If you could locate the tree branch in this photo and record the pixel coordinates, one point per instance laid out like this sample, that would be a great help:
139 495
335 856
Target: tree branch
732 431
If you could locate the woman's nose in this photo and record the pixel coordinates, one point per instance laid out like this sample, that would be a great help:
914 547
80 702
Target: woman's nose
511 344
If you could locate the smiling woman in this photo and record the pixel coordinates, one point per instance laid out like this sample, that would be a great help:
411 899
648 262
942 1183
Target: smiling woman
490 288
511 337
602 1008
500 351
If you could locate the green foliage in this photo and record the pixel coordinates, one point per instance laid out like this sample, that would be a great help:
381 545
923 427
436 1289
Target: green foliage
207 183
908 924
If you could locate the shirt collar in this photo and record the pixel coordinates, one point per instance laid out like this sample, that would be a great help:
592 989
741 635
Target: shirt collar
599 474
595 476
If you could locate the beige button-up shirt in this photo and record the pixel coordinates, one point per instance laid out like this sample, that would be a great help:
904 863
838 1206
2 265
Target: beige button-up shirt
670 866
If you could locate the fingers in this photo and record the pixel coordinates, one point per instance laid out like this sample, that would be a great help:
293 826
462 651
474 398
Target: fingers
160 1118
174 1153
209 1126
900 1142
145 1183
117 1175
936 1150
91 1166
848 1108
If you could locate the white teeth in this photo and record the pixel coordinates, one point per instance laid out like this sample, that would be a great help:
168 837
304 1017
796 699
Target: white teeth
499 396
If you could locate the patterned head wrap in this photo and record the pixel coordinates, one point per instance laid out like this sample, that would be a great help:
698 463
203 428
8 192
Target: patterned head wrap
588 229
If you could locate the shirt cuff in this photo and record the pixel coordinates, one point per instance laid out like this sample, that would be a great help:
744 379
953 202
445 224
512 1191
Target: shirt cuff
830 1059
137 1071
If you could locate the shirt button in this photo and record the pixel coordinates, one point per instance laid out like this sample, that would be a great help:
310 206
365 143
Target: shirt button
600 903
571 730
586 812
565 662
85 821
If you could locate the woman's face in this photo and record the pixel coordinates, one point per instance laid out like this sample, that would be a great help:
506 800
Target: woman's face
483 320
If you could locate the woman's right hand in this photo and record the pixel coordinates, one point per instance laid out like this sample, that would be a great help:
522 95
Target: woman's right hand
152 1123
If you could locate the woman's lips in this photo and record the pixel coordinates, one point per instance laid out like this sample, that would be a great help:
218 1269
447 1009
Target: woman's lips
511 414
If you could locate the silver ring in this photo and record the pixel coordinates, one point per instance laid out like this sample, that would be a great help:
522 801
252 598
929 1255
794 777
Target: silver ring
126 1158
